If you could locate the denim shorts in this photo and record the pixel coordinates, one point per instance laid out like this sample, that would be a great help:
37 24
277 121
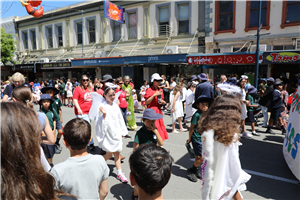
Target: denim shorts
197 146
275 113
58 125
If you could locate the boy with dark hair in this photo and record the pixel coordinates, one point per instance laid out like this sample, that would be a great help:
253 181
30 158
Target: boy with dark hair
56 105
151 168
201 104
83 175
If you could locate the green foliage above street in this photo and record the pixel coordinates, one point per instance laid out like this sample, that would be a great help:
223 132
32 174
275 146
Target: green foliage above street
8 47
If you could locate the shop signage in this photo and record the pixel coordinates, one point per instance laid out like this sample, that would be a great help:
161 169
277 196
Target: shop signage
98 62
57 65
23 66
172 58
292 57
222 59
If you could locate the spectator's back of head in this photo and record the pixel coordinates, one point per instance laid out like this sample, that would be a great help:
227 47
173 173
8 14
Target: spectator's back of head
77 133
151 167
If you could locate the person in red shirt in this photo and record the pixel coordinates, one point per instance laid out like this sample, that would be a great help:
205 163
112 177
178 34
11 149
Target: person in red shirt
131 84
122 98
106 78
83 101
155 99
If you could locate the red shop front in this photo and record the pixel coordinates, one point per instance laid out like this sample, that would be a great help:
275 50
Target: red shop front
228 64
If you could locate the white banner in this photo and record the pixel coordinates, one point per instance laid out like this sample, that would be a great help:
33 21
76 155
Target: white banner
291 143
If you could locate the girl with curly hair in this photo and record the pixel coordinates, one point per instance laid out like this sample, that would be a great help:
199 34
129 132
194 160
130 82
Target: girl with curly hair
222 175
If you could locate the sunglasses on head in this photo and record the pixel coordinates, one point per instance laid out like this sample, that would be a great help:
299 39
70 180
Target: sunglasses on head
85 80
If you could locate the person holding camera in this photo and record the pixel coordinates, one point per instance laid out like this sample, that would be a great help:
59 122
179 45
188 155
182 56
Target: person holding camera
155 99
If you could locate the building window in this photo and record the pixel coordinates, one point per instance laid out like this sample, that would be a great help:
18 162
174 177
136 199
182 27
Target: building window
102 23
183 18
59 36
79 32
252 15
132 30
224 17
92 36
49 37
146 22
290 13
25 39
33 39
163 24
117 30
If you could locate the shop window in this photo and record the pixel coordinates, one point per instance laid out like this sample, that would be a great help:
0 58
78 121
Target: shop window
132 30
252 15
224 17
277 47
79 32
183 18
163 21
59 36
25 39
242 50
49 37
117 30
92 35
290 13
33 39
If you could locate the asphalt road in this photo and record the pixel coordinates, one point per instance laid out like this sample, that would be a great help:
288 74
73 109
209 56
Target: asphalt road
260 156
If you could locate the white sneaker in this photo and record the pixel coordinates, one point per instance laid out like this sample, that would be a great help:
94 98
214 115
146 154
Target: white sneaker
254 133
247 135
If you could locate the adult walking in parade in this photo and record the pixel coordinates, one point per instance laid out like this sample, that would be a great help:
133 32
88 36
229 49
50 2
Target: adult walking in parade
18 79
155 99
130 117
83 101
204 88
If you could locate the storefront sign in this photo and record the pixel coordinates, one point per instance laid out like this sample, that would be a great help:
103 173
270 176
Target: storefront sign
222 59
22 66
291 57
98 61
291 143
58 65
172 58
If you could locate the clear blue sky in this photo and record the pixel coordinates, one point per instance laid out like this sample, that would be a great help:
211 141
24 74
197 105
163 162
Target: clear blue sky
15 8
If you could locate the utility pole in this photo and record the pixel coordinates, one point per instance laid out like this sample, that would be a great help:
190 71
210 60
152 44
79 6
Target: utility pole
82 33
259 26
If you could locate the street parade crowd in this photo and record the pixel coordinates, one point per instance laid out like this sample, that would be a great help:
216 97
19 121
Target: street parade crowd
213 115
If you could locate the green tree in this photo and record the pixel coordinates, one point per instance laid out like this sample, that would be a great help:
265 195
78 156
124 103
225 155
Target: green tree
8 47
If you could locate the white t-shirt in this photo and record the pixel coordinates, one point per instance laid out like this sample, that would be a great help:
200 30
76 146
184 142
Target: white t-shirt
173 85
81 176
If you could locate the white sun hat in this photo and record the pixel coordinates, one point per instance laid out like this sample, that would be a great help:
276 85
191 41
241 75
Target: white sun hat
155 76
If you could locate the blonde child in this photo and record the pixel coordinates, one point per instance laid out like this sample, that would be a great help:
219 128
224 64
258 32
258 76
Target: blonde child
135 101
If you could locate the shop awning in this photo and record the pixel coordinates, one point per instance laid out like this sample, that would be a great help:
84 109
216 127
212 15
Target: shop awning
167 58
97 61
281 57
56 65
223 58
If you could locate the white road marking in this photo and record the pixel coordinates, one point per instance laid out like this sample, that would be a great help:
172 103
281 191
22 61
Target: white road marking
272 177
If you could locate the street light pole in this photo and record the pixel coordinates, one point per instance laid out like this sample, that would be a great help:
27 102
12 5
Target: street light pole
257 47
82 33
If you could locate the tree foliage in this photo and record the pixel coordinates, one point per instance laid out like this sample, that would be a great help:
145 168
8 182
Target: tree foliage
8 47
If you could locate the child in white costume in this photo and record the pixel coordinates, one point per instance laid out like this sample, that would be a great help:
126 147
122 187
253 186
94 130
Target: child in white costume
110 127
222 175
